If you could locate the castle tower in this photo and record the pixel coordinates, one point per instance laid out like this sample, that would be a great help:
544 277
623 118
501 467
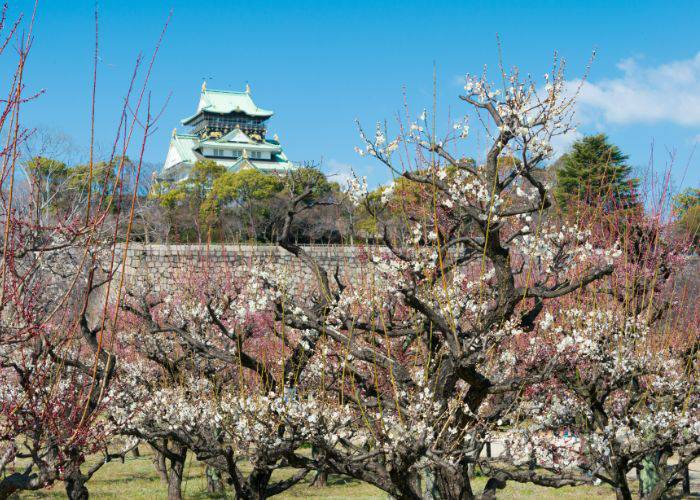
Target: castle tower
225 124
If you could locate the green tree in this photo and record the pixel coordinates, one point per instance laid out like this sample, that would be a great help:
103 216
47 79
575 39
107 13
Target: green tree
690 225
685 200
595 171
105 188
47 171
297 181
366 220
202 178
47 176
686 208
102 177
250 189
317 222
186 202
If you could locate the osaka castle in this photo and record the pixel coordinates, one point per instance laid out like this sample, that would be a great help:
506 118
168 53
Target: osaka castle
229 129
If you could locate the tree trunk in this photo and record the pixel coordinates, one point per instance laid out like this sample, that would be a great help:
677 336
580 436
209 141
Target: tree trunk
686 480
170 464
257 483
321 479
159 464
622 488
453 485
253 229
623 493
75 486
492 486
639 481
177 456
174 484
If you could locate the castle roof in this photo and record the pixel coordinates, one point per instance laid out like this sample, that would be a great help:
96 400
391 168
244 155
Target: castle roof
185 145
279 164
185 151
227 101
237 135
251 146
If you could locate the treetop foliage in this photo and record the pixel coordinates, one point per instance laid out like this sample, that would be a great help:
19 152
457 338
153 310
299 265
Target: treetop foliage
595 170
686 200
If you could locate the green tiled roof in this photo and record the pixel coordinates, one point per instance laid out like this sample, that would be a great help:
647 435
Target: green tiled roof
256 146
185 144
228 101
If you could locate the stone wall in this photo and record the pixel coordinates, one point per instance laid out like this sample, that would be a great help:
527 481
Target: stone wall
161 267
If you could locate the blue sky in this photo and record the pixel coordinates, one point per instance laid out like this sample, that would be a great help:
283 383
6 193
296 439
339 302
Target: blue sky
321 65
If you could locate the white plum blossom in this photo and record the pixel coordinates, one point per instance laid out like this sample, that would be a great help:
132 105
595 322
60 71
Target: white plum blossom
357 189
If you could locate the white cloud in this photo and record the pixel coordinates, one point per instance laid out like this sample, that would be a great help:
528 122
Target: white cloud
666 93
339 172
562 143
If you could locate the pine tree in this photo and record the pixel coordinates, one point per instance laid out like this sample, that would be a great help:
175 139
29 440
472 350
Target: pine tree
595 171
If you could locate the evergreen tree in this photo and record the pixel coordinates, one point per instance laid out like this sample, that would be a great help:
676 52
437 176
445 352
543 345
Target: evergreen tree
595 171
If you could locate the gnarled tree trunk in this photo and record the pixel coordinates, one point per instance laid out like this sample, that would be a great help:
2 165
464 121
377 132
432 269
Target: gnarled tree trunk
257 483
321 478
75 485
453 484
176 456
169 460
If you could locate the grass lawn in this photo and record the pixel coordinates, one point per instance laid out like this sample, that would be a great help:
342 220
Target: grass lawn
137 479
